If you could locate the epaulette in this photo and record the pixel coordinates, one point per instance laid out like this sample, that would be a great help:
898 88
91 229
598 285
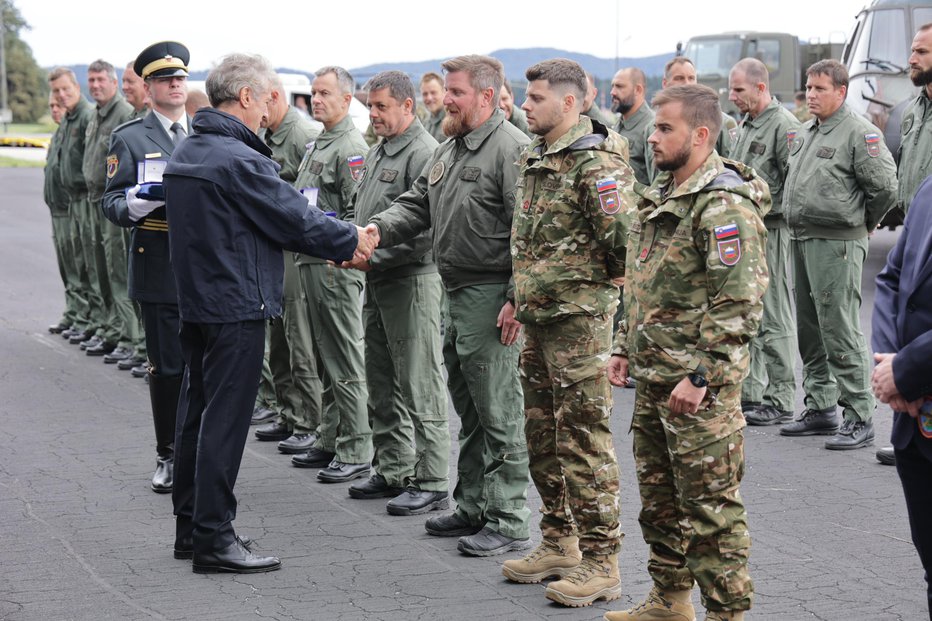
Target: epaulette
128 123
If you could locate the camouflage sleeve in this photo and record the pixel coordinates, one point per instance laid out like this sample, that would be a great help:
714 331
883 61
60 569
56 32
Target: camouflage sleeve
875 174
734 239
606 193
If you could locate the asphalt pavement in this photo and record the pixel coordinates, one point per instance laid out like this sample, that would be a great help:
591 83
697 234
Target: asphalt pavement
83 537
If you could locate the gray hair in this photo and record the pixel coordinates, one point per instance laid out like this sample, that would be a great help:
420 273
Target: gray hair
344 79
102 66
59 72
484 72
235 72
754 71
398 83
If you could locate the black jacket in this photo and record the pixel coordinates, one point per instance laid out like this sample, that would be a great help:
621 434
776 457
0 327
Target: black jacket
230 216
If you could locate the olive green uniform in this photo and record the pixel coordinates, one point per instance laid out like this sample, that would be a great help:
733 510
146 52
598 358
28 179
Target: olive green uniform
401 318
122 325
695 277
763 144
519 119
635 130
57 200
841 181
292 358
574 201
726 136
597 114
465 197
84 232
327 175
915 157
434 125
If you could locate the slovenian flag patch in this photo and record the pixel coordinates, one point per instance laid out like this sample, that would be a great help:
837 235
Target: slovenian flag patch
726 231
605 185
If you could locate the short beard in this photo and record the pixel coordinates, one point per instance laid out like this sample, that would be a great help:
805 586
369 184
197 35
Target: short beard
676 162
920 77
623 106
461 124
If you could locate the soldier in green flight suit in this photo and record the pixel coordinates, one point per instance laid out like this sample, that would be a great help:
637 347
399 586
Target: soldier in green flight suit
635 119
513 113
326 176
64 86
768 394
432 96
401 316
681 70
122 330
696 272
841 182
574 201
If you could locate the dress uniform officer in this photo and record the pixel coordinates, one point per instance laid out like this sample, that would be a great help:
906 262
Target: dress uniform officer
139 152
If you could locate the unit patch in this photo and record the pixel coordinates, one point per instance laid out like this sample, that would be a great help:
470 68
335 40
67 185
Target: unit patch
388 175
316 167
356 163
757 148
470 173
608 196
113 163
436 173
873 144
729 250
790 137
826 153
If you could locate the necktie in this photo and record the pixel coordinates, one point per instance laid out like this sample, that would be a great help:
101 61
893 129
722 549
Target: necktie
178 134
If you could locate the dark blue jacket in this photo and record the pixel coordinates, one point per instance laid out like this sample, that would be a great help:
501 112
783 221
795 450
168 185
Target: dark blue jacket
902 321
230 216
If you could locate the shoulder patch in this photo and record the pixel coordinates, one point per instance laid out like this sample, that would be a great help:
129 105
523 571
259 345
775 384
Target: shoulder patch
608 195
355 163
790 137
907 124
729 251
113 164
726 231
873 144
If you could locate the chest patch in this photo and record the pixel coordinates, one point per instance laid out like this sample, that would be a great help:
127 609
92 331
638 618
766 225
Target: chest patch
757 148
907 124
826 153
316 167
436 173
873 144
470 173
388 176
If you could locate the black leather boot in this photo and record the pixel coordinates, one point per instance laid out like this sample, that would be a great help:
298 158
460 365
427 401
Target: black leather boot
163 393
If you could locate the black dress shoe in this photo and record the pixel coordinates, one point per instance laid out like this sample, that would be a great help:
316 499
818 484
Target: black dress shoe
813 423
80 337
120 353
339 472
374 487
297 443
415 501
102 349
273 431
184 548
451 525
94 341
767 415
163 478
488 542
886 456
260 416
129 363
58 328
234 559
853 434
314 458
749 406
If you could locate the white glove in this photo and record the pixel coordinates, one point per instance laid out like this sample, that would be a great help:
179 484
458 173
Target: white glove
139 208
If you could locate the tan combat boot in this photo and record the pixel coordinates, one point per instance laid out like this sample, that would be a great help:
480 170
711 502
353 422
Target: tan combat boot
553 557
596 577
724 615
659 606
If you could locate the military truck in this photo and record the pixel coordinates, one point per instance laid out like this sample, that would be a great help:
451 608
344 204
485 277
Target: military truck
786 57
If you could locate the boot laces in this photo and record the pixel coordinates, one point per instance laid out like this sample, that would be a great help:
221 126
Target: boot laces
654 598
582 572
541 551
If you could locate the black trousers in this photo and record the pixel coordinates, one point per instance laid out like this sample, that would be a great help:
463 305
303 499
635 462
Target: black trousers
163 347
218 393
915 472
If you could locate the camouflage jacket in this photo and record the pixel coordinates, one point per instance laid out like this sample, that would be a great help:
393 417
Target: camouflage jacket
573 203
696 275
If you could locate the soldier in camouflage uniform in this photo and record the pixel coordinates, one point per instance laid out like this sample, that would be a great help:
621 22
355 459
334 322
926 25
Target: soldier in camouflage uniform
801 112
574 199
768 395
432 96
695 279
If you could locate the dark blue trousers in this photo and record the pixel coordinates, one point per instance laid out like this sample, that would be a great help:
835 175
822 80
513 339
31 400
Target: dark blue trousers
915 472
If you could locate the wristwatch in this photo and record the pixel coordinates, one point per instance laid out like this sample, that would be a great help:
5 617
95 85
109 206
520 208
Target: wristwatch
697 378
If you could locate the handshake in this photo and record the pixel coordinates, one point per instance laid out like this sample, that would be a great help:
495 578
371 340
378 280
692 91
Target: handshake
368 241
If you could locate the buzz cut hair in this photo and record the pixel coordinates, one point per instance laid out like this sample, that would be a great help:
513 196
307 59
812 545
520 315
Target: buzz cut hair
59 72
754 71
484 72
833 69
398 83
102 66
344 78
637 76
700 106
432 76
673 62
563 75
236 72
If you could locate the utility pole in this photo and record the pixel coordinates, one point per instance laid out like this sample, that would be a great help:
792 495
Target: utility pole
6 115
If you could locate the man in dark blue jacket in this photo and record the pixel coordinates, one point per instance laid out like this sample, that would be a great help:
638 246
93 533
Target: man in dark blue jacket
229 218
902 342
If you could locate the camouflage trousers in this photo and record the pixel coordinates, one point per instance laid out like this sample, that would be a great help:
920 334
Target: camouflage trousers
567 407
689 469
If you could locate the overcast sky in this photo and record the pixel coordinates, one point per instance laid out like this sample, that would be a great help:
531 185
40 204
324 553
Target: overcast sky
306 35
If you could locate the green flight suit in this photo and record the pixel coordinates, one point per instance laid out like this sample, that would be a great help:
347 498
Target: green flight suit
84 232
575 200
635 130
519 119
57 200
726 136
401 317
465 197
122 325
695 278
841 181
434 125
327 175
763 144
292 358
915 161
596 113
